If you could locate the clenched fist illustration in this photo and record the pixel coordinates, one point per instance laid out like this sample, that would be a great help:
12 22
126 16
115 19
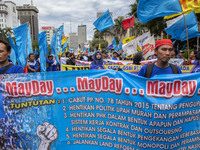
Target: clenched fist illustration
48 134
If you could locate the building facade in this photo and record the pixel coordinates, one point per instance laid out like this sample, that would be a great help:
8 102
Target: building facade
82 35
8 15
73 41
50 31
28 13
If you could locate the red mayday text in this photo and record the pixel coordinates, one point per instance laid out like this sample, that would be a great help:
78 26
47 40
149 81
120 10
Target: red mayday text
28 89
177 88
103 84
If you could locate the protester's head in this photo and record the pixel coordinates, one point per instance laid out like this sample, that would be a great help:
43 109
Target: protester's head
50 57
163 50
5 51
115 54
31 57
71 56
137 59
180 54
193 55
104 54
173 54
98 59
67 54
98 55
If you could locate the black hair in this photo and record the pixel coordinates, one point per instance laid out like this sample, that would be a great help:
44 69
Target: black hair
8 47
70 54
104 52
30 54
137 58
66 53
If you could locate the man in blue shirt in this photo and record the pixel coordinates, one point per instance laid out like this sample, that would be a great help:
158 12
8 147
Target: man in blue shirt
32 63
163 51
5 66
115 55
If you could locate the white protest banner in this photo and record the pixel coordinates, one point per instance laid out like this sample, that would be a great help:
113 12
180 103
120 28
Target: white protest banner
148 47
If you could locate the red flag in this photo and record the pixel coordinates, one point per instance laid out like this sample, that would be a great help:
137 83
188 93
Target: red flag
25 69
128 23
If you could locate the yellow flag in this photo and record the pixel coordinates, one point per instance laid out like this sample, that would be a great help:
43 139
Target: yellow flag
64 40
128 39
100 48
138 48
187 6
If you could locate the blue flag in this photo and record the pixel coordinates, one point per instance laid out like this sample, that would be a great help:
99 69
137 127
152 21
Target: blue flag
120 45
59 38
71 50
84 50
110 46
53 44
178 30
104 21
21 42
36 51
46 49
184 46
42 48
64 46
114 44
29 41
151 9
13 50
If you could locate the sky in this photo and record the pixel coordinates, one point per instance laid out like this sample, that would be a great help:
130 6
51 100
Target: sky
58 12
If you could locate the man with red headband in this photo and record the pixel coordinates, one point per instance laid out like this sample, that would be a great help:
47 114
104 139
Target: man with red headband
163 51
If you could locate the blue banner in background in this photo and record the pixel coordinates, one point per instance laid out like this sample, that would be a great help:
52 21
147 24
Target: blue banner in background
100 109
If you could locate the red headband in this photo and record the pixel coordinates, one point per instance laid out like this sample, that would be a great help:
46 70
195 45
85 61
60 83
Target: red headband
163 42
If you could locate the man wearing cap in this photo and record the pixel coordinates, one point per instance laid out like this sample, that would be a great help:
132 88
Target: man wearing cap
115 55
163 51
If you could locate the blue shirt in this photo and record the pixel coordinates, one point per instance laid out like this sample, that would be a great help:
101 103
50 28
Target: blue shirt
113 58
195 62
13 69
50 66
157 71
33 65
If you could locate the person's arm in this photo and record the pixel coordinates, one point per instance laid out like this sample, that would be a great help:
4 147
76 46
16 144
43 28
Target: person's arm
49 62
31 69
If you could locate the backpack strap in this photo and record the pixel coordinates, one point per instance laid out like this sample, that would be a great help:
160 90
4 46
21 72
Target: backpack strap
149 70
174 69
6 69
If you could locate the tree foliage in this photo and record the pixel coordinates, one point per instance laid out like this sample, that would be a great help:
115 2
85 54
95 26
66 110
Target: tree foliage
118 28
95 44
4 33
156 26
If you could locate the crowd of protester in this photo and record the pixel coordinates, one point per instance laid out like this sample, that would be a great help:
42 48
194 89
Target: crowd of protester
96 58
